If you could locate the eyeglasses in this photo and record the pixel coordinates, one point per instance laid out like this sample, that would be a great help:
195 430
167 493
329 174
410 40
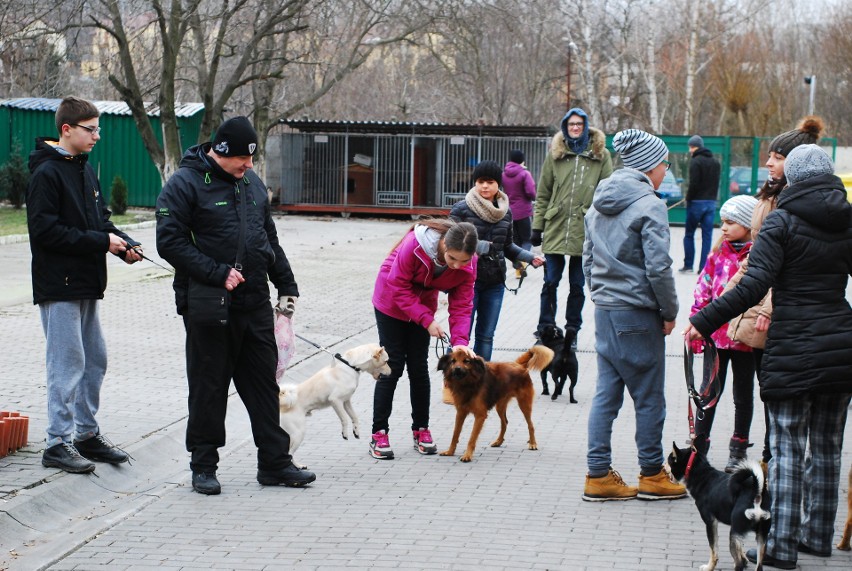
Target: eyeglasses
668 165
89 128
580 125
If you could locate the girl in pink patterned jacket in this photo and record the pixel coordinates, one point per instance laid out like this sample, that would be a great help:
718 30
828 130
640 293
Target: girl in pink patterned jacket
436 255
723 262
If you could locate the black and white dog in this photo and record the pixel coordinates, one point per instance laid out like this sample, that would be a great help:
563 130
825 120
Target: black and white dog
564 365
740 499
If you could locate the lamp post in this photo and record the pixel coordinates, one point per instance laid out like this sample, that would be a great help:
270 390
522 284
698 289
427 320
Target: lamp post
811 80
571 47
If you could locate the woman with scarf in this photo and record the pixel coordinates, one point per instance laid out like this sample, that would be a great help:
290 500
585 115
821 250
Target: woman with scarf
487 208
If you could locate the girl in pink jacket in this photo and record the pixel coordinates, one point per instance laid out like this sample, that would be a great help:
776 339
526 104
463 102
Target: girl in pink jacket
435 255
722 263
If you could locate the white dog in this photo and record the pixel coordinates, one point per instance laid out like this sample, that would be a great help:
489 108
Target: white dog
331 386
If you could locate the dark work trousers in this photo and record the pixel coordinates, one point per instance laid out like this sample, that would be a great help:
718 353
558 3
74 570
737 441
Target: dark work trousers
407 345
742 372
757 354
245 351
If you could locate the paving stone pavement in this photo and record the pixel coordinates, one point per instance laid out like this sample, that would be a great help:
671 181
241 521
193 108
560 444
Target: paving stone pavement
510 508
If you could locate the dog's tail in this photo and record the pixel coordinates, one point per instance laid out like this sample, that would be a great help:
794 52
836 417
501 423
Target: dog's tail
748 478
288 396
536 359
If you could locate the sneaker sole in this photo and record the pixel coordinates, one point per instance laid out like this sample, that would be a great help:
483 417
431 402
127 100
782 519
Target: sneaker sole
290 484
607 498
63 467
207 492
104 460
652 498
426 451
380 456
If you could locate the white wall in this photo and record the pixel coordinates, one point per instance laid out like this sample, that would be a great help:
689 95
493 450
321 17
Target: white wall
843 160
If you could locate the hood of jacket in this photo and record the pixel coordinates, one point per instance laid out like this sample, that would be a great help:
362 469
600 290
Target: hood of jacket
512 171
597 145
620 190
703 152
47 149
820 201
196 158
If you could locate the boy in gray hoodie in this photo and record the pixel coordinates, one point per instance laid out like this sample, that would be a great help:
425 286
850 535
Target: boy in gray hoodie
627 266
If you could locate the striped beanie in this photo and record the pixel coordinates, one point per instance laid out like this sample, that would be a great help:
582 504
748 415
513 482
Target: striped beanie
739 209
639 150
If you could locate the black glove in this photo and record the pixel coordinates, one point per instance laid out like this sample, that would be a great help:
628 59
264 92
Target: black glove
536 238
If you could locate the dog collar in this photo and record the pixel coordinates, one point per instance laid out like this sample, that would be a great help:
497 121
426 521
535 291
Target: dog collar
340 358
689 464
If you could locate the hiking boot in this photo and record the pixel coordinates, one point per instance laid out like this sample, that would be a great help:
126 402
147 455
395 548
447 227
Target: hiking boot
65 457
380 446
206 483
660 487
737 447
291 476
769 561
423 441
99 449
608 488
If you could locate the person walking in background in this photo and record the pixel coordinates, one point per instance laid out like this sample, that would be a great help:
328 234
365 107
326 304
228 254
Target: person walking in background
70 231
487 208
701 196
627 264
435 255
804 253
519 186
722 264
577 161
215 227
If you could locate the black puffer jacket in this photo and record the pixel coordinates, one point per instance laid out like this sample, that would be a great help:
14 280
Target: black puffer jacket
491 267
69 226
804 254
704 173
198 228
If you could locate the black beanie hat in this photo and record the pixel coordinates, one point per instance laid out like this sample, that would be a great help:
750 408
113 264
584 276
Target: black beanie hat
807 132
235 138
488 170
516 156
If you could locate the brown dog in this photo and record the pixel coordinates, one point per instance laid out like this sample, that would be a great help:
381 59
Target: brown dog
847 531
478 387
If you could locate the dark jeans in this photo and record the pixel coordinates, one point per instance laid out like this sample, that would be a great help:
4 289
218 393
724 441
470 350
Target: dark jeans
245 351
742 371
487 300
698 213
407 344
522 233
553 270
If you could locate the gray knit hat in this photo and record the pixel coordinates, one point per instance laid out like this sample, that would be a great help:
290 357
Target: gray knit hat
739 209
808 131
695 141
639 150
807 161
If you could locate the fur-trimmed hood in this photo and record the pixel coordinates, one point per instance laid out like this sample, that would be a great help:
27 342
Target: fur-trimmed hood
596 150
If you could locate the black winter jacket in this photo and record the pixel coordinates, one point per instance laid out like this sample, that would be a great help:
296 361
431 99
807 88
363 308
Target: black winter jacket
804 254
491 267
704 174
198 227
69 226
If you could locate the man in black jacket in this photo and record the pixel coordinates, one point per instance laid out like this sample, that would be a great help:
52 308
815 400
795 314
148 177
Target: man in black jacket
701 196
215 227
70 231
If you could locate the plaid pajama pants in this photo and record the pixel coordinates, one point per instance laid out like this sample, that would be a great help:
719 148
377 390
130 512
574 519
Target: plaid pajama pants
806 439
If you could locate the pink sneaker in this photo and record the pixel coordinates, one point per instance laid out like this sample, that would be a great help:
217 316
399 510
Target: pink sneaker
423 441
380 446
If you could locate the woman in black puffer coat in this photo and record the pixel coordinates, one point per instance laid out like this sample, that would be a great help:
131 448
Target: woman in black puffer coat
805 255
487 208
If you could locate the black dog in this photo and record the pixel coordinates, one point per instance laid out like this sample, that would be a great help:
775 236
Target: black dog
740 499
564 364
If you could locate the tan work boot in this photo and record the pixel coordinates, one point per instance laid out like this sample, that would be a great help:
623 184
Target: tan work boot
608 488
660 487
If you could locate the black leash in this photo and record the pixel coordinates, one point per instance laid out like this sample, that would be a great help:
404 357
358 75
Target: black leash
441 344
337 356
521 280
138 250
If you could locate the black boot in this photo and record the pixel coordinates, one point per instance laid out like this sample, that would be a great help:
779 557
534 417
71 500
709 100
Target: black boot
290 476
99 449
65 457
737 447
206 483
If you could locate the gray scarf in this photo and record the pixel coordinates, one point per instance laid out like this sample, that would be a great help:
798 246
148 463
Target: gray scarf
485 209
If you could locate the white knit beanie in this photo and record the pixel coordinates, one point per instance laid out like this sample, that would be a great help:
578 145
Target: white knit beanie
739 209
807 161
639 150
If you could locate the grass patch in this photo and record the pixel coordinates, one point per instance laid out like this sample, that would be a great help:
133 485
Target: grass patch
15 221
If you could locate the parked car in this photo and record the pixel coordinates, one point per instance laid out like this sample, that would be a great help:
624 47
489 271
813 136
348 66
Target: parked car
740 180
670 190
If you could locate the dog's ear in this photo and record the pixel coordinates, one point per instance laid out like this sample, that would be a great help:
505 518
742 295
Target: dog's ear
443 362
478 365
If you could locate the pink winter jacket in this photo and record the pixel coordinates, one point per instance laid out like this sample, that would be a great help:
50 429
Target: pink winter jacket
720 267
406 289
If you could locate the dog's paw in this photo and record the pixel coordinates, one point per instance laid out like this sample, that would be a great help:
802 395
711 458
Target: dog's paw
447 453
554 396
465 458
545 392
573 400
533 446
343 434
497 443
355 434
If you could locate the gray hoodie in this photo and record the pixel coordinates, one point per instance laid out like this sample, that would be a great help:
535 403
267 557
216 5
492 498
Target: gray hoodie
626 252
